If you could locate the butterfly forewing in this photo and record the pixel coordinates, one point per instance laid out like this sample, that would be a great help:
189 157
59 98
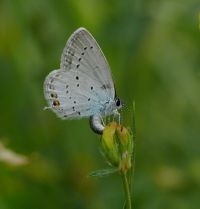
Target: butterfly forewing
82 53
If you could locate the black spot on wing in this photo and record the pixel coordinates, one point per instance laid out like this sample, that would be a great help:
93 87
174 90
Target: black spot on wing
54 95
105 86
56 103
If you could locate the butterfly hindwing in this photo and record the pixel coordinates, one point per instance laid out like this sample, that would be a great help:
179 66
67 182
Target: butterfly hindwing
73 95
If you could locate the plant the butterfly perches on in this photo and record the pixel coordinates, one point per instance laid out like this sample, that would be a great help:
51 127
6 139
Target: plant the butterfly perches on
83 86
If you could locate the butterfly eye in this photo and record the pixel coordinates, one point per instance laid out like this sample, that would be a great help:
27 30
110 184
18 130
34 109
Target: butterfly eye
118 102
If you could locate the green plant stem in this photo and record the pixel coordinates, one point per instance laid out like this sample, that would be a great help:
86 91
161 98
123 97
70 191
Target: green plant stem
126 190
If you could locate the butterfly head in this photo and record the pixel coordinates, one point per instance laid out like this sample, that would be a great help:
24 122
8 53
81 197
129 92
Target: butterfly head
118 103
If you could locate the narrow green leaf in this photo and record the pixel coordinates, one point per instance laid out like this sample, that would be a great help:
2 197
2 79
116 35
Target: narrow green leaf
103 172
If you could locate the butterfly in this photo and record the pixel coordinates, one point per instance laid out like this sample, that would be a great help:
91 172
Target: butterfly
83 86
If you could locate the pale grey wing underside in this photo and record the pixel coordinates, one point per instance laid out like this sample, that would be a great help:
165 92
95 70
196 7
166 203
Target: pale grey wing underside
83 86
73 96
82 53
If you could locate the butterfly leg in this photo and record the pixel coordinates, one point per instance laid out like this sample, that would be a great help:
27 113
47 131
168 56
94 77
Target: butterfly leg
102 120
108 119
117 116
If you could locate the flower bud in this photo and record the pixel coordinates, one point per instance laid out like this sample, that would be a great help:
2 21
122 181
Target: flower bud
126 148
117 146
109 144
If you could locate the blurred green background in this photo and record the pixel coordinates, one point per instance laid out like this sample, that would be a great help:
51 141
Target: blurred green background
153 48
